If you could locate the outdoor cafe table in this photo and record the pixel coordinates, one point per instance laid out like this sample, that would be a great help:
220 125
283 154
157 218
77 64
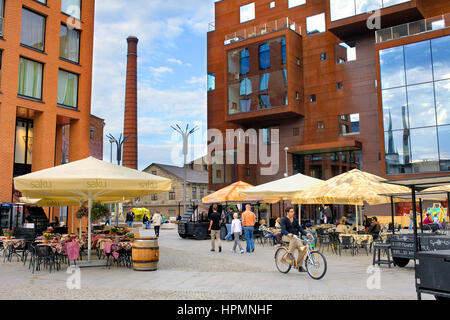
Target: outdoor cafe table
359 238
16 243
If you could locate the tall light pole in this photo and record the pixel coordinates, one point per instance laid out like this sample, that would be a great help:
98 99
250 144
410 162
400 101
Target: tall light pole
185 133
111 142
286 156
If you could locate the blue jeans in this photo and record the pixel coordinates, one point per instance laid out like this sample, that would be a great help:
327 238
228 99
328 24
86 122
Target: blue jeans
248 231
130 224
228 236
411 224
147 225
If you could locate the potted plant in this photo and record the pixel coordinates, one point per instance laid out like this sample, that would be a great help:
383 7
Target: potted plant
82 212
131 237
47 236
8 233
98 212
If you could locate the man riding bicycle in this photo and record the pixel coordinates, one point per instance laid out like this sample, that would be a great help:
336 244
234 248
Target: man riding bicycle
289 228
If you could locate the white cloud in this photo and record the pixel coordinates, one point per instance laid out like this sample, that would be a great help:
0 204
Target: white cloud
178 62
197 80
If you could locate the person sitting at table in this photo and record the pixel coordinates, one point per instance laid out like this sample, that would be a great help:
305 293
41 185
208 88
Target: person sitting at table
267 233
277 223
374 228
366 222
341 227
428 220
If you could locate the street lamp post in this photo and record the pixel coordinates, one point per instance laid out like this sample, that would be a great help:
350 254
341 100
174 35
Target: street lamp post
286 156
185 133
111 142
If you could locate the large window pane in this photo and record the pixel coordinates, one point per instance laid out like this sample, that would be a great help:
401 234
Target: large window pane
363 6
295 3
418 63
424 150
247 12
30 78
211 82
283 50
244 61
392 68
388 3
422 112
264 82
33 30
341 9
345 51
442 92
395 113
398 153
67 89
72 8
264 56
441 57
245 87
315 24
69 47
444 147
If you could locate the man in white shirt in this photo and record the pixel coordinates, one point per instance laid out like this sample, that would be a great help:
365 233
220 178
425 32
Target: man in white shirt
156 219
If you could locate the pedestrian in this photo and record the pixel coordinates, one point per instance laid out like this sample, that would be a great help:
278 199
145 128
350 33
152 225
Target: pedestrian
156 219
248 221
214 227
145 220
228 220
130 218
236 230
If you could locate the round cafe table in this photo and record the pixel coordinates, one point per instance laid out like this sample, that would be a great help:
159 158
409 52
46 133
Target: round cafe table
359 238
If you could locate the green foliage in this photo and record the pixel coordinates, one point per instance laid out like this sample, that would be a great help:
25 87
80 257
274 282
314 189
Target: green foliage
99 211
263 207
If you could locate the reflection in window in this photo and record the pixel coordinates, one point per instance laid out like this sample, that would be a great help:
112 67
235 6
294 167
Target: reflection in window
441 61
345 52
245 87
418 62
349 124
33 30
395 109
266 136
444 147
315 24
264 101
421 105
211 82
388 3
245 62
72 8
398 154
442 93
283 50
363 6
67 89
295 3
264 56
340 9
264 82
424 150
247 12
392 68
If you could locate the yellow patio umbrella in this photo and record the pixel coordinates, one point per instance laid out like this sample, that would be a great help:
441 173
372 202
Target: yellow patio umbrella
351 188
88 180
230 193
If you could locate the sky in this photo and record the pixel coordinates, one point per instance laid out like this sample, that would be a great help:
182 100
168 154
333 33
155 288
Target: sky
171 73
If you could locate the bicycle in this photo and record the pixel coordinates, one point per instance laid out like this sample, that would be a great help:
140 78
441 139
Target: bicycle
315 262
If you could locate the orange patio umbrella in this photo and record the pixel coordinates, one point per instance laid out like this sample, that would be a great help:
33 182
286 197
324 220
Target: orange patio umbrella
230 194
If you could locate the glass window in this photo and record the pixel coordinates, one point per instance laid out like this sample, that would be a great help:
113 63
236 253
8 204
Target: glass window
245 87
392 68
388 3
30 78
67 89
363 6
441 53
418 62
272 4
345 51
283 50
315 24
247 12
340 9
211 82
442 92
312 98
72 8
422 112
266 135
245 61
295 3
424 150
194 192
69 47
24 142
398 153
264 101
245 104
33 30
264 82
444 147
264 56
285 78
395 109
42 1
349 124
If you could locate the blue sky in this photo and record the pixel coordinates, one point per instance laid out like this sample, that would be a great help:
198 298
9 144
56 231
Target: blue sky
171 72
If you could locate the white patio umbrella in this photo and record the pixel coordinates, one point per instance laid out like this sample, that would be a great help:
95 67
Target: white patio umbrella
88 180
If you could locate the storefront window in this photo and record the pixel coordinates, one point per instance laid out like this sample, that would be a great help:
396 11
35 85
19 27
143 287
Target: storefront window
23 151
416 104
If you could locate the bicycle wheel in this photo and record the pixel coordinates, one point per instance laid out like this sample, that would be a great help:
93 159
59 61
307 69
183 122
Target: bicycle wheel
283 260
316 265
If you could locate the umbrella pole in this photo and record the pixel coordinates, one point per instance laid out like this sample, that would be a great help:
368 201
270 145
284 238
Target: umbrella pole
89 226
392 215
421 215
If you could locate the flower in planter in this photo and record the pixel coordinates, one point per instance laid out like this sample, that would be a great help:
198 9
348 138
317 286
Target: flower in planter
47 235
8 232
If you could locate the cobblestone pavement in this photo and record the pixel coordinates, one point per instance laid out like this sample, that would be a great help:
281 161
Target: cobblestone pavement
188 270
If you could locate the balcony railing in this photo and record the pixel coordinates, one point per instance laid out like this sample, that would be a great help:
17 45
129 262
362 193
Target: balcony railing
412 28
262 29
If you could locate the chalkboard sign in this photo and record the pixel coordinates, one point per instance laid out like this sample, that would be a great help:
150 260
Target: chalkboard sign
435 243
403 245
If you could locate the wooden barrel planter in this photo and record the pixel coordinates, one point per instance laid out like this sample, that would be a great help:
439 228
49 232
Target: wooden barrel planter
145 254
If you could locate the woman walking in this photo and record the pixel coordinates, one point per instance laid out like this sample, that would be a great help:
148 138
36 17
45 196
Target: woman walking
236 230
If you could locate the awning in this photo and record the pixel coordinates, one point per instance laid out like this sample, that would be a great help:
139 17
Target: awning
326 147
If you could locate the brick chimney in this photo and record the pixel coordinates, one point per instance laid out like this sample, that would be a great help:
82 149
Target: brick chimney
130 150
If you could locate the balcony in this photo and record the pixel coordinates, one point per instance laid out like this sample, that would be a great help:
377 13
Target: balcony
413 28
263 29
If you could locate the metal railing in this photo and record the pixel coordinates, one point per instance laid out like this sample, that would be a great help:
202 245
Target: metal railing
412 28
262 29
